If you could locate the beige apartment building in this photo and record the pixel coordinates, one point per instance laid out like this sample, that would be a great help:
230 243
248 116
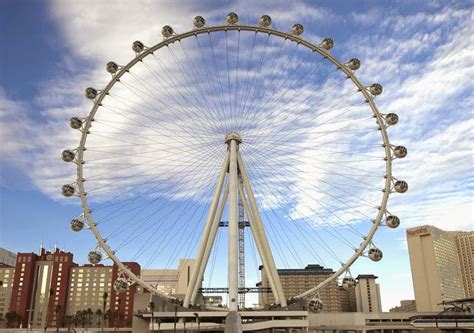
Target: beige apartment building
173 282
297 281
87 285
367 294
441 265
6 286
7 258
465 248
406 305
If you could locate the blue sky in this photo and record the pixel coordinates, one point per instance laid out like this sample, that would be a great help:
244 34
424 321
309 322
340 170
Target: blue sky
419 51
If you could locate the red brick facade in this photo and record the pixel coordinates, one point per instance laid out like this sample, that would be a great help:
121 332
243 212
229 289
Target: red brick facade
26 284
123 303
62 262
23 282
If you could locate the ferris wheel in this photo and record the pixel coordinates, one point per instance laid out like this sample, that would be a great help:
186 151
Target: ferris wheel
227 124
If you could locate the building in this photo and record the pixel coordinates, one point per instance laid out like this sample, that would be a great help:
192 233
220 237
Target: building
465 248
7 274
367 294
359 322
50 287
173 282
297 281
87 286
214 301
441 265
7 258
405 306
122 303
44 288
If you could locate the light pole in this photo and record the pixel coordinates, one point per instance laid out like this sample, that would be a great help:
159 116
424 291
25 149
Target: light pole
28 324
151 306
198 320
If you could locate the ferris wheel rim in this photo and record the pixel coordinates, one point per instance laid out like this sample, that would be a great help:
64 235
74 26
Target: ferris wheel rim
102 243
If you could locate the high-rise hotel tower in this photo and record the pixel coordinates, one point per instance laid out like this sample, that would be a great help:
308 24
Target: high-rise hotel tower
441 264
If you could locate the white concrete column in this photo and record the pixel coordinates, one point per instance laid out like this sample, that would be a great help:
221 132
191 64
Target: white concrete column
258 243
261 234
205 235
210 242
233 228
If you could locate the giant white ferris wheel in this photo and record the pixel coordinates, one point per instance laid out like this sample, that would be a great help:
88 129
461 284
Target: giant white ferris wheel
233 134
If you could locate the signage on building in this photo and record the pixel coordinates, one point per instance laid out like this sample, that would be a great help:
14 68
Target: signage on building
420 231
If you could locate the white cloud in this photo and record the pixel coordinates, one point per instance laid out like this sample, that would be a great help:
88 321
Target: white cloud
426 72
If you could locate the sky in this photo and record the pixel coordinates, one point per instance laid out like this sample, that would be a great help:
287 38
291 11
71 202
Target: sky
421 52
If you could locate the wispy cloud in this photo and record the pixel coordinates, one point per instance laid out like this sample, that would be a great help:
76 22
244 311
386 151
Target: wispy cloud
423 60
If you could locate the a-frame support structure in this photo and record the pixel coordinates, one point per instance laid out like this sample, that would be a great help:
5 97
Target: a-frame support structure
234 168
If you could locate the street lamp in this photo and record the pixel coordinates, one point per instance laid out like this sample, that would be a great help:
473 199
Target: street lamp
198 320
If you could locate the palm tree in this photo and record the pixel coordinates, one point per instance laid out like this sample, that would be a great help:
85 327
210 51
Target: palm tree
76 319
48 316
89 314
104 303
10 317
81 317
58 310
109 315
99 316
68 321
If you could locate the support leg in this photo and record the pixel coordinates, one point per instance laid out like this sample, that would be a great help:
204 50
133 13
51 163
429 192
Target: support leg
210 243
258 242
233 229
261 233
205 236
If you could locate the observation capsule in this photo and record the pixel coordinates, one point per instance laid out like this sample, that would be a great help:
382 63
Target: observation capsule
121 285
68 190
297 29
199 22
111 67
67 155
354 64
232 18
315 305
167 31
348 282
77 224
391 118
400 151
90 93
138 46
327 44
75 123
265 21
376 89
392 221
94 257
375 254
401 186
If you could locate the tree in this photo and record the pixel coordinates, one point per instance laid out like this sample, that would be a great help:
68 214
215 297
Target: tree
48 315
99 316
89 315
58 310
81 317
68 322
76 319
11 318
18 319
105 295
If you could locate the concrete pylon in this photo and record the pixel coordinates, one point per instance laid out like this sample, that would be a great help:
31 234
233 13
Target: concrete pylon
233 323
